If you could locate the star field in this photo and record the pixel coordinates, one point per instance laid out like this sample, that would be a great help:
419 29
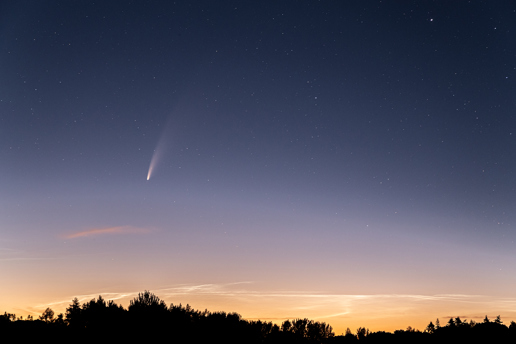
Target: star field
315 148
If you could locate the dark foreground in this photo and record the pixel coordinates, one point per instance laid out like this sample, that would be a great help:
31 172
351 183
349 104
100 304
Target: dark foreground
149 319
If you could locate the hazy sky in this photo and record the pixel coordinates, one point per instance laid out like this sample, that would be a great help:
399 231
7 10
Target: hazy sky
349 162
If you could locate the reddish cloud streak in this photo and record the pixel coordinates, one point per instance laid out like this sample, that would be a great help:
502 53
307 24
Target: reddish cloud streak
107 230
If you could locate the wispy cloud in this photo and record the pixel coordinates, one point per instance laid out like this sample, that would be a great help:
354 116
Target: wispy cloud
107 230
9 254
289 304
163 293
25 259
311 299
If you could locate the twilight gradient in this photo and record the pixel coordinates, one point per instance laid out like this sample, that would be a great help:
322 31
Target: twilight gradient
346 162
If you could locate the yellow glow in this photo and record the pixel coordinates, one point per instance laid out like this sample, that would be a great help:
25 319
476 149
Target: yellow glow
376 312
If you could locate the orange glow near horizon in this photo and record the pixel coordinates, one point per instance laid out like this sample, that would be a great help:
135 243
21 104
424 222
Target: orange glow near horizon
304 164
376 312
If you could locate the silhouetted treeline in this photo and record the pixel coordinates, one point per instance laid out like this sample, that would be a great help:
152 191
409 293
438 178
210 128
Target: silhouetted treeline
149 319
455 331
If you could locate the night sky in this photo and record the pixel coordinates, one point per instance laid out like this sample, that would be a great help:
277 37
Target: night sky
351 162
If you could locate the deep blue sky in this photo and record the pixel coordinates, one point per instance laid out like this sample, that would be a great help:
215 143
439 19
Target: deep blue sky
293 129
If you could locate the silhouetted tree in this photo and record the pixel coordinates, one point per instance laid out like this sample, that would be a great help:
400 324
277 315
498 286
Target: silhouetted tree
149 316
73 314
8 316
47 316
95 314
430 328
286 326
362 332
299 327
147 302
59 321
317 332
259 330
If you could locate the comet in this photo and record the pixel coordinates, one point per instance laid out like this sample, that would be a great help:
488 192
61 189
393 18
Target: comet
152 163
155 158
161 147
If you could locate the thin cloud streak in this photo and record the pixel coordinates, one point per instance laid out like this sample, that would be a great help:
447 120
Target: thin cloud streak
25 258
295 303
107 230
9 255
